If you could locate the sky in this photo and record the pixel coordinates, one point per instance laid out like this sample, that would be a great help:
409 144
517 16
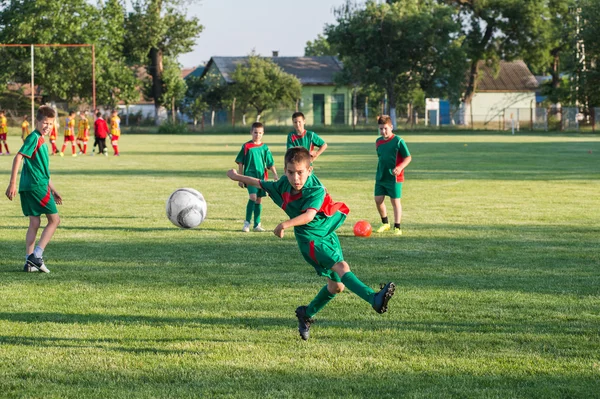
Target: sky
236 27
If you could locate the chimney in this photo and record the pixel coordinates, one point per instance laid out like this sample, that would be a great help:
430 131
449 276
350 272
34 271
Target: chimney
275 53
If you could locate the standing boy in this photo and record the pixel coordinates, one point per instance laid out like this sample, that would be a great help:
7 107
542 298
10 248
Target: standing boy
83 132
115 131
300 137
315 218
69 134
254 159
38 195
3 132
101 131
393 158
24 128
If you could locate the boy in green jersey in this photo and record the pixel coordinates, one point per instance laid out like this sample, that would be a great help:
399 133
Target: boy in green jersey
393 158
315 218
301 137
38 195
254 159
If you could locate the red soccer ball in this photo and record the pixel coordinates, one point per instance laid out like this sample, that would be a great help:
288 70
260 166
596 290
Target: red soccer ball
362 228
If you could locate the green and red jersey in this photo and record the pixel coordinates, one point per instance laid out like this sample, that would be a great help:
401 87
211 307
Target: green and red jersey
307 140
330 215
391 152
36 171
256 158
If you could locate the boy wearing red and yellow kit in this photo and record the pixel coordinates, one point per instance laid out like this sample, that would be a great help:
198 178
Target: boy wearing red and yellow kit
115 131
3 132
83 133
69 134
315 218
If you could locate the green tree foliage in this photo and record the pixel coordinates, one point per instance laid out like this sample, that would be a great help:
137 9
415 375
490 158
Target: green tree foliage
590 32
158 29
268 86
319 47
194 102
174 86
502 29
400 47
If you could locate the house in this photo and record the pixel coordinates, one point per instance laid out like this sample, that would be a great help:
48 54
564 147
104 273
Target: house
321 101
509 94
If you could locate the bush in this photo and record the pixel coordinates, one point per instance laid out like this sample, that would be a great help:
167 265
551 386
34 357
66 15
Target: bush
169 127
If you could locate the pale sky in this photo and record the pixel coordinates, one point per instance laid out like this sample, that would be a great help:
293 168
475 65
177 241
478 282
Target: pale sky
235 27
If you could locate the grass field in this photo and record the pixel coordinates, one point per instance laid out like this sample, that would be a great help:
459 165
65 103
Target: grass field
498 273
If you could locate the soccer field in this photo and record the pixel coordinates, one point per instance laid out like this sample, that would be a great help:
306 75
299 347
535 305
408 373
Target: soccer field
498 276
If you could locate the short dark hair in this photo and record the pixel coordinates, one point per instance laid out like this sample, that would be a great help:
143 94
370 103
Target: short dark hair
257 125
297 114
384 120
45 111
98 114
297 155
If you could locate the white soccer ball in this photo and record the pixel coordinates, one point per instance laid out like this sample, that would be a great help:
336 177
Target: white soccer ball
186 208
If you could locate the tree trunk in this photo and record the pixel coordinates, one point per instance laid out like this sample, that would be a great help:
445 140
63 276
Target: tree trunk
173 117
555 69
471 86
156 71
258 117
233 113
354 108
212 118
391 99
244 119
127 116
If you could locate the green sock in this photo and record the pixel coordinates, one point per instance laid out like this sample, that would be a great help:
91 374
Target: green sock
322 299
358 287
249 209
257 212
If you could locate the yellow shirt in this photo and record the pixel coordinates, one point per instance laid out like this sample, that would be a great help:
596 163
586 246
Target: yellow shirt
84 125
69 126
24 129
115 126
3 127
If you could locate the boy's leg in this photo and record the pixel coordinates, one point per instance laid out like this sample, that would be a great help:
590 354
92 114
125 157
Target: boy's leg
115 145
48 232
85 147
397 205
62 150
385 224
327 293
6 146
54 149
34 225
257 211
249 210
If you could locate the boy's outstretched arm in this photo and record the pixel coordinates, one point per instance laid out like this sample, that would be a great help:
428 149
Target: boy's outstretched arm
247 180
305 218
11 190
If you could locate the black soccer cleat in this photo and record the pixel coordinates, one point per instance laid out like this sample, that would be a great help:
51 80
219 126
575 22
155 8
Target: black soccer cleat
30 269
38 263
382 298
304 322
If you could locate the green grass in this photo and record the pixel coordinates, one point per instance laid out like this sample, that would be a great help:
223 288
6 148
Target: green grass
498 274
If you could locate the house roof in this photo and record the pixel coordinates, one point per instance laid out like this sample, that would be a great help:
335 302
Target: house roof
512 76
309 70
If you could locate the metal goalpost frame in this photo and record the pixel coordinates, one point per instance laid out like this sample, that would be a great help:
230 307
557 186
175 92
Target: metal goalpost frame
33 73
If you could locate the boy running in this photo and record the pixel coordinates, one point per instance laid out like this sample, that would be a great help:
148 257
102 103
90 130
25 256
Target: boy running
69 134
315 218
24 128
393 158
83 133
3 132
38 195
254 159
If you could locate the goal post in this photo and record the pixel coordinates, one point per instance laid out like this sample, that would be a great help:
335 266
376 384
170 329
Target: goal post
33 46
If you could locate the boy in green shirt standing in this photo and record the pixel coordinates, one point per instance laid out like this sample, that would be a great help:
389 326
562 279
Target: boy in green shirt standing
38 195
254 159
393 158
301 137
315 218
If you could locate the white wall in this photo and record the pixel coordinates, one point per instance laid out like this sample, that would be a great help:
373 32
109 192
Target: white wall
489 107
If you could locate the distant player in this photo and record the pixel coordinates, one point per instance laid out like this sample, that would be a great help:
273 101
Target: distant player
301 137
69 134
315 218
83 133
38 195
54 136
115 131
393 158
254 159
3 132
24 128
101 131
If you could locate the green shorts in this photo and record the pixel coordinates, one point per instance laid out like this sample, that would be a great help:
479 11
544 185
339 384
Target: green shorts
391 189
322 254
258 191
38 201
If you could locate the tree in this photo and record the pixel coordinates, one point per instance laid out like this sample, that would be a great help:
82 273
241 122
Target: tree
194 103
268 86
590 31
319 47
498 29
155 29
399 47
174 88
